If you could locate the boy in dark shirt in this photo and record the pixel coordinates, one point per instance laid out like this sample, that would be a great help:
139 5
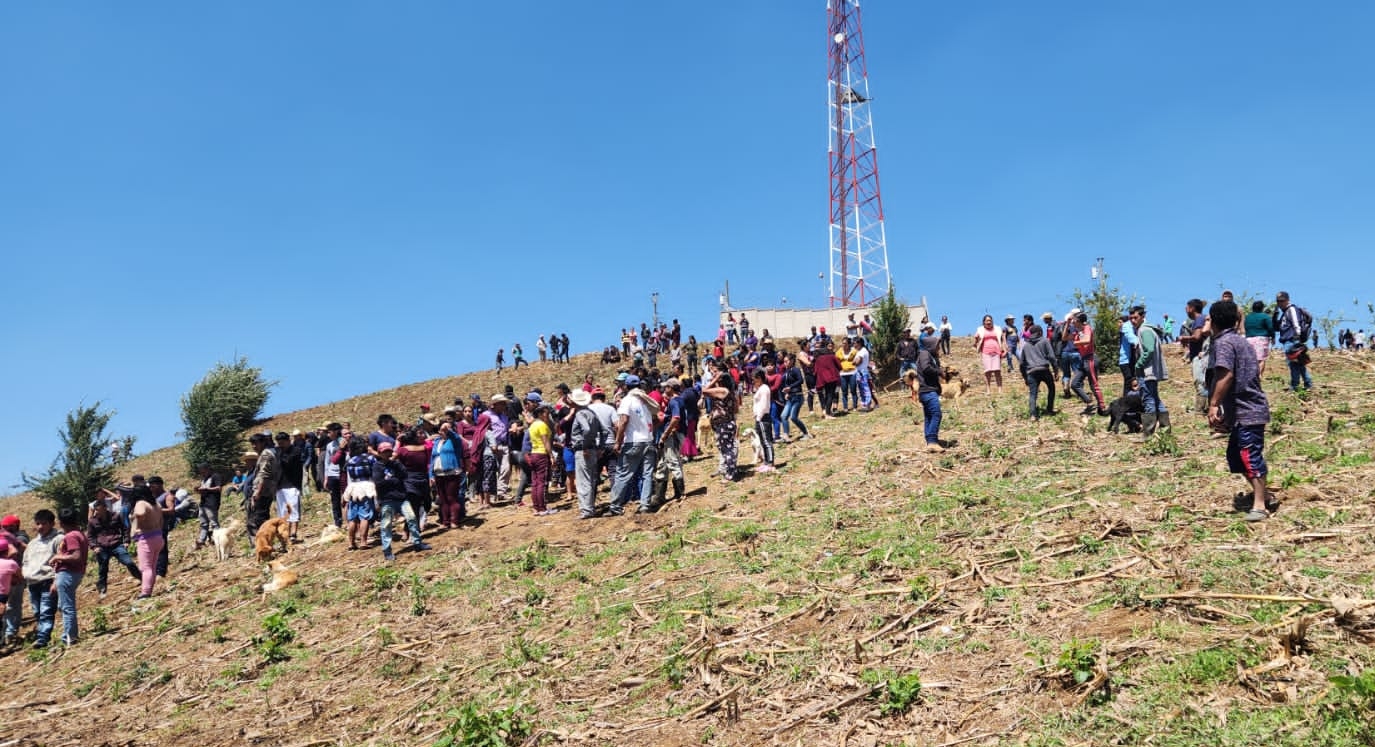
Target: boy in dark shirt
1238 405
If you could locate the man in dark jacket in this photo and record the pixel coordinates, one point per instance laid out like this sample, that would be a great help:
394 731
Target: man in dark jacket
106 532
1038 367
389 476
906 352
929 390
291 458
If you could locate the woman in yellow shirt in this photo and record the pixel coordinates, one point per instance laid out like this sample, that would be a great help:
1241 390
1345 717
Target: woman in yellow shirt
847 356
541 434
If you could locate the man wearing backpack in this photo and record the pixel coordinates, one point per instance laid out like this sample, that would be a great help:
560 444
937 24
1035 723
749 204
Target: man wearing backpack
1295 324
1149 369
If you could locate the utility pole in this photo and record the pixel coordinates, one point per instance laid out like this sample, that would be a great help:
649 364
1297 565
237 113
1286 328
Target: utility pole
654 298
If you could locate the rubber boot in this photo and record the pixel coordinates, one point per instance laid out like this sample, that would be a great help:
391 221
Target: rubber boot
1148 422
1162 420
656 499
678 489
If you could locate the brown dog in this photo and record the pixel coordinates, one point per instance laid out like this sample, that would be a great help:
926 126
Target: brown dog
268 534
953 385
913 383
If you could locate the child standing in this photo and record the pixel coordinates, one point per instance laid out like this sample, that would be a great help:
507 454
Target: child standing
763 420
360 493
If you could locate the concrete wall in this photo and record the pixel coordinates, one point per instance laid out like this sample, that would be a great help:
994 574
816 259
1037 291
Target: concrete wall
790 323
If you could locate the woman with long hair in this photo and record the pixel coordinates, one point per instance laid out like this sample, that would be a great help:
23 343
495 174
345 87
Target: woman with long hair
793 381
721 393
988 341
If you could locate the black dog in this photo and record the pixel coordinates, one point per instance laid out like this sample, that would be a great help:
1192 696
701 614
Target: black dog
1126 411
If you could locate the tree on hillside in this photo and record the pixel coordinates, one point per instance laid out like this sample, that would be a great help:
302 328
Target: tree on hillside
1105 306
890 319
1330 323
219 407
83 466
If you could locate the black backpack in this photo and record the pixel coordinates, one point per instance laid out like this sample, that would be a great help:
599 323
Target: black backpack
1305 324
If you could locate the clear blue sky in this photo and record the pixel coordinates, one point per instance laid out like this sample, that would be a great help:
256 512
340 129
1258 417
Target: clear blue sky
359 195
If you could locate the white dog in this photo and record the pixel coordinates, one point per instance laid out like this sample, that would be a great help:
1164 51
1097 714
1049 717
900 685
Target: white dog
223 536
330 533
755 444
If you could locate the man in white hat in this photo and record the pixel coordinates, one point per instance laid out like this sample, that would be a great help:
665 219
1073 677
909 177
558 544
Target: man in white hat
585 438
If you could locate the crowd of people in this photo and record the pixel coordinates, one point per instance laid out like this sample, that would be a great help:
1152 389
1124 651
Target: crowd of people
634 434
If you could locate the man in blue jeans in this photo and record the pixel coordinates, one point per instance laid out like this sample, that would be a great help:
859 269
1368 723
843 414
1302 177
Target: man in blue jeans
107 533
635 445
70 563
39 574
929 391
389 476
1294 339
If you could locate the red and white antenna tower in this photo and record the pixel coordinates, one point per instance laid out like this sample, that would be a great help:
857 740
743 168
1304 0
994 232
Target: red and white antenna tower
859 251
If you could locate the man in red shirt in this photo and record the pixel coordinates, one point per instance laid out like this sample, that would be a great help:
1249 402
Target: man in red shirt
70 563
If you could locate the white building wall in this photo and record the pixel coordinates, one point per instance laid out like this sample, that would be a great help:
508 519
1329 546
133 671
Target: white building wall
791 323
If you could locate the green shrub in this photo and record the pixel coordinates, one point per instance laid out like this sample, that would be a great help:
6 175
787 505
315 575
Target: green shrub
473 727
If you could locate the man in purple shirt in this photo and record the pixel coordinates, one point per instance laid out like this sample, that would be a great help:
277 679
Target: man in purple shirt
1237 404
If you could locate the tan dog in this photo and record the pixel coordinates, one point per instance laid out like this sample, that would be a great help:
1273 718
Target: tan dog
330 533
224 536
268 533
913 383
953 385
282 577
706 437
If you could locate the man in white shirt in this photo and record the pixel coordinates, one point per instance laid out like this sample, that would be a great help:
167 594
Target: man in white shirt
635 445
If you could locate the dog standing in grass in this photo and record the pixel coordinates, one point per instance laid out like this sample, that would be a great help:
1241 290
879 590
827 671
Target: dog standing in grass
272 532
223 536
953 386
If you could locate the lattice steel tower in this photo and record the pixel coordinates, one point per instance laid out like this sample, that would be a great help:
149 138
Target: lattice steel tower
859 251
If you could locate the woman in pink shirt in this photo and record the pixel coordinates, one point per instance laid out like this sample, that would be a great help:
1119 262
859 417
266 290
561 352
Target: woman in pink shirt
988 340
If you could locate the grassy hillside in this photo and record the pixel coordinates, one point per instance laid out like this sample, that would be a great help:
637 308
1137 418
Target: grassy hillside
1037 583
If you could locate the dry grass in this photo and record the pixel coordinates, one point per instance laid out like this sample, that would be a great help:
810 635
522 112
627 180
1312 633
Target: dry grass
1030 578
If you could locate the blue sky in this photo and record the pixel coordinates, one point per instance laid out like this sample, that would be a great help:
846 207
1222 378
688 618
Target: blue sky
359 195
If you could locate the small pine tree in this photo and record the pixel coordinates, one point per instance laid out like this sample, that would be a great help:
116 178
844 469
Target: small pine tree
1105 307
83 466
219 407
890 319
